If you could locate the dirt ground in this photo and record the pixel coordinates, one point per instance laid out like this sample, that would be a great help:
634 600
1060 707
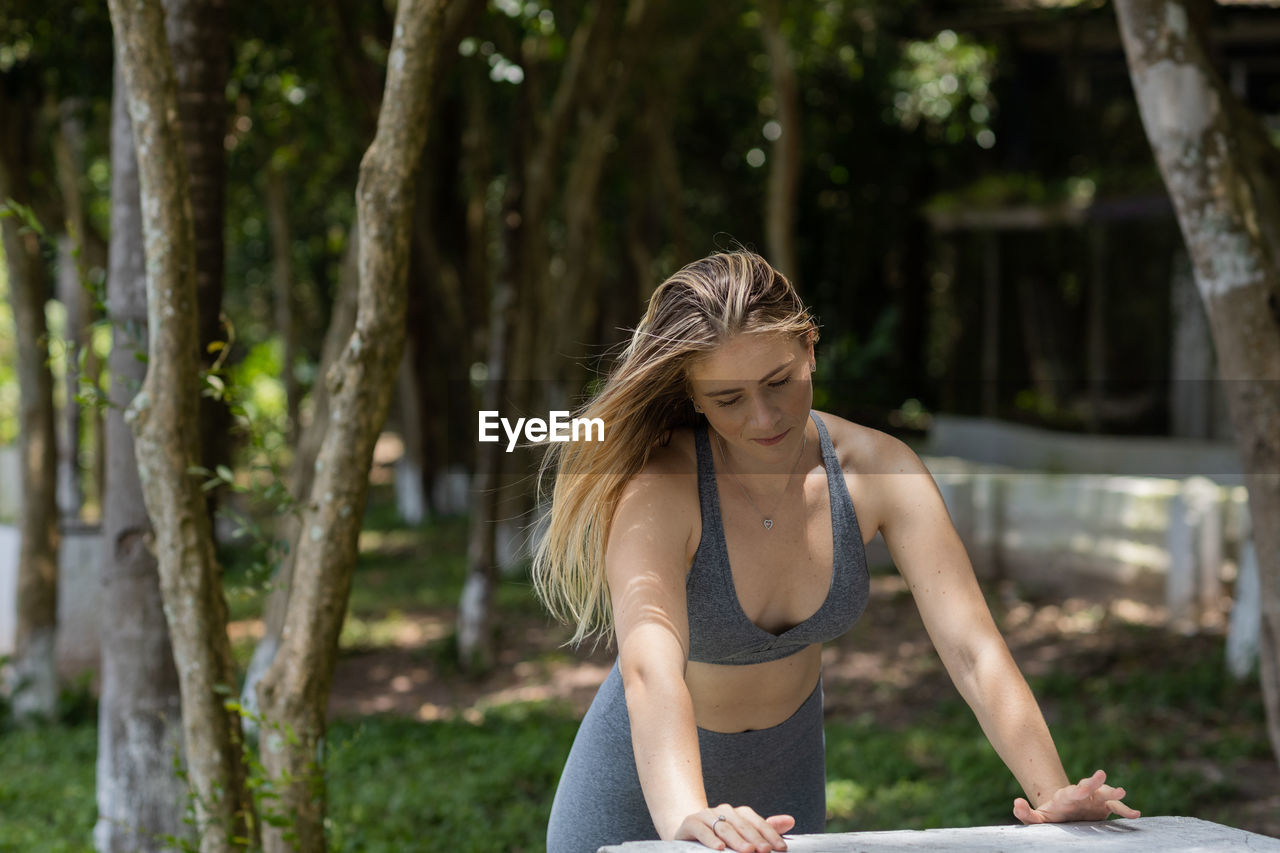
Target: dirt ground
885 667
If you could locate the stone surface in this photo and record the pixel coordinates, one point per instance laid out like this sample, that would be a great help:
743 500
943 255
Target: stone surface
1155 834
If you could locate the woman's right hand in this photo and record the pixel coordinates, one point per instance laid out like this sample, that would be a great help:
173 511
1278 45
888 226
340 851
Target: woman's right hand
739 829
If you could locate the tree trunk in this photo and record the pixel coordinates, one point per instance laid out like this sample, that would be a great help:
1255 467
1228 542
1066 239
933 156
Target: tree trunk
1223 175
475 636
140 798
294 693
311 436
516 355
35 678
576 294
784 171
165 421
68 145
440 351
198 41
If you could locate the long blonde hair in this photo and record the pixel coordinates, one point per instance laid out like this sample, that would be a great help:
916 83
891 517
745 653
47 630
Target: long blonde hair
644 398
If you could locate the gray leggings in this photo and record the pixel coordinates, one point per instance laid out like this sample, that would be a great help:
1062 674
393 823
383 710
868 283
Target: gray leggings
778 770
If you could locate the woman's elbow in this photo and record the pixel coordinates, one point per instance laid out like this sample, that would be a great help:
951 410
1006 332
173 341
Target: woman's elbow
650 677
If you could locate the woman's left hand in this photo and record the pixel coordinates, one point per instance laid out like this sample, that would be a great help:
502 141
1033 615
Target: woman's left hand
1090 799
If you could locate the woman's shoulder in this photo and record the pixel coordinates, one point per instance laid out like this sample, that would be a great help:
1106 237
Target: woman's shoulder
667 482
664 492
863 450
866 450
674 460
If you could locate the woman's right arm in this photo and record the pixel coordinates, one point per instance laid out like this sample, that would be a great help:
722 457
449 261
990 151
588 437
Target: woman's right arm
645 560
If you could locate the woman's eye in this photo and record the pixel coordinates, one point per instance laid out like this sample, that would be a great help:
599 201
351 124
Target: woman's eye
780 383
726 403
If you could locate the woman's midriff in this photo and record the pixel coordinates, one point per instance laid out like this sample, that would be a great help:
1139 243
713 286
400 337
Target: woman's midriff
755 696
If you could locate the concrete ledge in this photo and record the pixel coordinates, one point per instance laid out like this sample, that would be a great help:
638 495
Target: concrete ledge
1154 834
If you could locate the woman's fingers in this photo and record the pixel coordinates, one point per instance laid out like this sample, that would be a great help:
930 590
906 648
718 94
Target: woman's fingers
1091 784
696 828
741 830
1113 798
735 837
781 823
1122 810
765 836
1088 799
746 832
1022 811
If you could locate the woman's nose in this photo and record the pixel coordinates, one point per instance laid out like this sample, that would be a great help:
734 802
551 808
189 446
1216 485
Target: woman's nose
764 415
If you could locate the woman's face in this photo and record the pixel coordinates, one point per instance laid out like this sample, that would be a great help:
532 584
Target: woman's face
756 392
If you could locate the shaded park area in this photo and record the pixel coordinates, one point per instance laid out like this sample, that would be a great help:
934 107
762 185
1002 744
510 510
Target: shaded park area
420 752
264 584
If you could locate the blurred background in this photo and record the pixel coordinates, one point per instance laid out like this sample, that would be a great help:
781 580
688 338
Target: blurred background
963 193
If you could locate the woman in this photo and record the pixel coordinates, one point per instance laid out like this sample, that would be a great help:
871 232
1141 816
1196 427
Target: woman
718 533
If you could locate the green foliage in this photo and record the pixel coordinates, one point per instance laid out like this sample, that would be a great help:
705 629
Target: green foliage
1014 188
852 368
262 395
944 83
255 399
59 345
400 785
486 782
46 789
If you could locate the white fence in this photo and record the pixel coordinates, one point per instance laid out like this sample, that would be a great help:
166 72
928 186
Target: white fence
1163 520
1156 519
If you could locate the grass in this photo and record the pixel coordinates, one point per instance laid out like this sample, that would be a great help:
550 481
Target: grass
1160 721
396 784
393 784
399 785
1155 731
47 800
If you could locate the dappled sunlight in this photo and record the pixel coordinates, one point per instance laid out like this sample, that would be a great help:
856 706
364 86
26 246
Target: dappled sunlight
246 630
394 541
403 664
398 630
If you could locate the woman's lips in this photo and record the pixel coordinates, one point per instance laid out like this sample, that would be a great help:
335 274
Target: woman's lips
769 442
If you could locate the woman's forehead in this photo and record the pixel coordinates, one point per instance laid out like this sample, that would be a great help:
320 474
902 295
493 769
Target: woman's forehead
748 356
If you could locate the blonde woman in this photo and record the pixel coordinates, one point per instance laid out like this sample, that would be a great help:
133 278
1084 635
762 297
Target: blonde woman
717 534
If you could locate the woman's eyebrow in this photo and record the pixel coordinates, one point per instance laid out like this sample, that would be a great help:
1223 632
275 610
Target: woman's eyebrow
765 378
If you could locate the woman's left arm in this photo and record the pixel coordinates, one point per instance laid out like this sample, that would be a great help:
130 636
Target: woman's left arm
928 552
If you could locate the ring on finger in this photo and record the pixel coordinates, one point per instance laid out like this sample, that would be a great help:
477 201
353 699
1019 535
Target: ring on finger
716 822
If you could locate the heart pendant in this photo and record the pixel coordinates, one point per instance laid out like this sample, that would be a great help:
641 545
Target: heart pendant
768 524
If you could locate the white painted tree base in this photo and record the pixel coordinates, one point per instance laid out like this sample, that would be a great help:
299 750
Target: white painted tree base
1154 834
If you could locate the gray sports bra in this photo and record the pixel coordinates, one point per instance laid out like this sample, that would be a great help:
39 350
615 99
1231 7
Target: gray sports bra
719 630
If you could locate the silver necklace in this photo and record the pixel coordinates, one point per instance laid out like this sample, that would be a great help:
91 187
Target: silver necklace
766 517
